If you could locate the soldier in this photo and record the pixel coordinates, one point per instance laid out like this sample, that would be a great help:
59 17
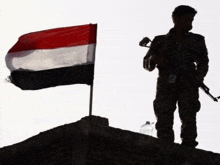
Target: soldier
182 60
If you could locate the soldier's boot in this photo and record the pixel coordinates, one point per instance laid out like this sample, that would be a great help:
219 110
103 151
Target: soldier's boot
189 132
190 143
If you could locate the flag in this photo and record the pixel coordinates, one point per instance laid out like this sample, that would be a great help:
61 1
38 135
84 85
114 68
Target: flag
53 57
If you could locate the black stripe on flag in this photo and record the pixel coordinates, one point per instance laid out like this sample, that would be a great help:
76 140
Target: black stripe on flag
34 80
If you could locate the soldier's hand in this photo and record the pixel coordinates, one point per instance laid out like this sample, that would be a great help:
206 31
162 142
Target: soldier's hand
160 60
197 81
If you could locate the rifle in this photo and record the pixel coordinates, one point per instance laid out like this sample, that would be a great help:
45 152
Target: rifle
144 43
206 90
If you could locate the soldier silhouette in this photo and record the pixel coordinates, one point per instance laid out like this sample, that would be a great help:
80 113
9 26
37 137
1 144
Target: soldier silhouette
182 60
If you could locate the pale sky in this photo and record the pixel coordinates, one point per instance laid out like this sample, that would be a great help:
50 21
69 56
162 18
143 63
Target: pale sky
123 90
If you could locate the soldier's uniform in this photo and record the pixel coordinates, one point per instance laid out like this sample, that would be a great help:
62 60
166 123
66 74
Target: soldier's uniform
175 86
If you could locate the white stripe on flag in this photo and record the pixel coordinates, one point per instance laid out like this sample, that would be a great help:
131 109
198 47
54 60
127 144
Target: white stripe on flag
42 59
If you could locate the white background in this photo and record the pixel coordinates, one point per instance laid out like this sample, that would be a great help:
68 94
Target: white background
123 90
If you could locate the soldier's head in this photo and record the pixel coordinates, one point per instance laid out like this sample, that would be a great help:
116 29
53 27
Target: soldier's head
183 17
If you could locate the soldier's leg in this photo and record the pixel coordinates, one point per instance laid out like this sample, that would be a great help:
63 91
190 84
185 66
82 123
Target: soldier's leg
164 107
189 105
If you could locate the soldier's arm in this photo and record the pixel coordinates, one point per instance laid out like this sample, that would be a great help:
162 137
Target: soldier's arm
153 56
202 60
148 63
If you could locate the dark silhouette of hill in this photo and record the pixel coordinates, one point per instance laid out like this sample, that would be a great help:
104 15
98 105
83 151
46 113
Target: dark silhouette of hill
90 141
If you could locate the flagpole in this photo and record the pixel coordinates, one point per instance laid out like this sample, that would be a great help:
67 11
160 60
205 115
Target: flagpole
91 97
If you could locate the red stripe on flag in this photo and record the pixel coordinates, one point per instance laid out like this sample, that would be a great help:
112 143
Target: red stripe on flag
56 38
